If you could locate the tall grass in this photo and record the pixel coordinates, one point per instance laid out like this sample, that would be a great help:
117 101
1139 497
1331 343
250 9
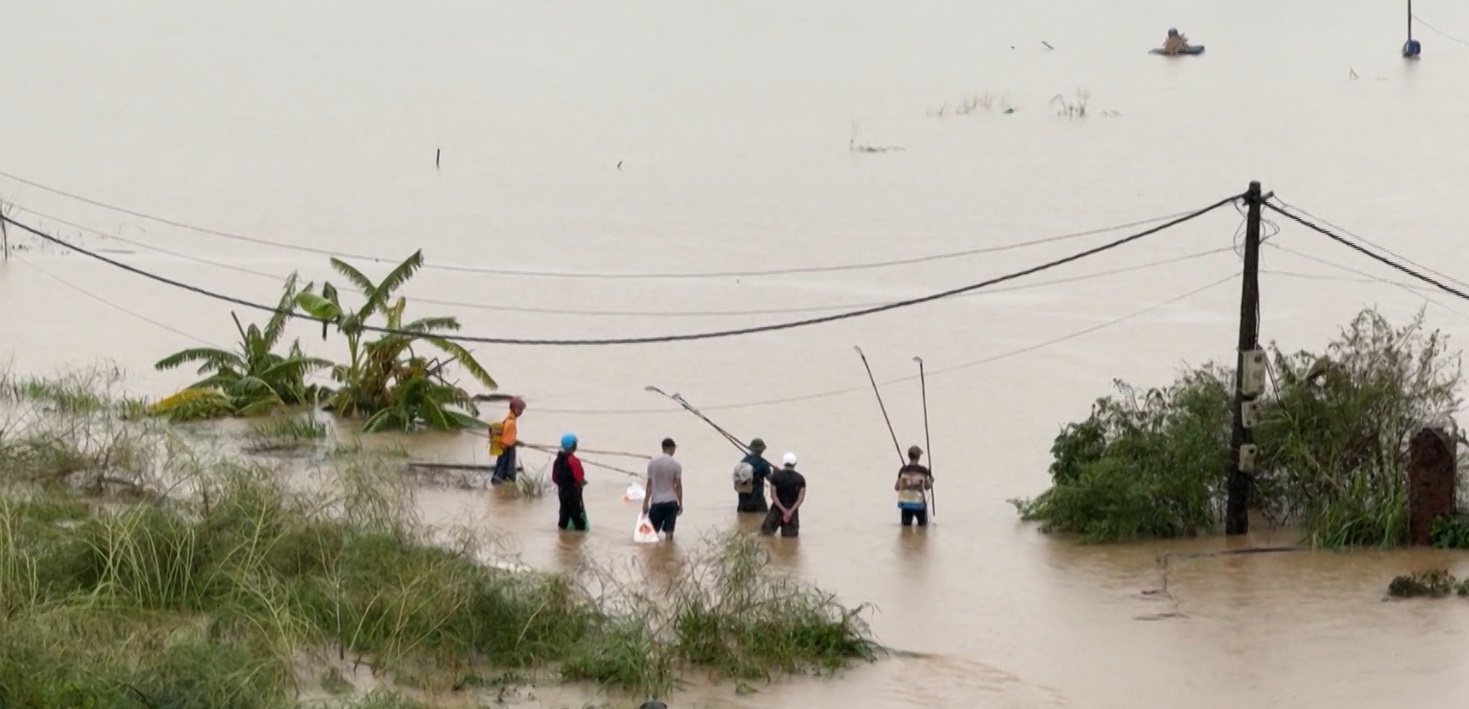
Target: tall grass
225 587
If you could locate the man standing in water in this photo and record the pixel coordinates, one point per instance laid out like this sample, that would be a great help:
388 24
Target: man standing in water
787 494
664 501
752 490
914 482
506 440
567 475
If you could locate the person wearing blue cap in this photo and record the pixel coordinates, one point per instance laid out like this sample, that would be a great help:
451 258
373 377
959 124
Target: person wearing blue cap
569 478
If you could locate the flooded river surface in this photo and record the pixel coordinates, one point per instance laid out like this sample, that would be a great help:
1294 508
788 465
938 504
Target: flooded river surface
679 137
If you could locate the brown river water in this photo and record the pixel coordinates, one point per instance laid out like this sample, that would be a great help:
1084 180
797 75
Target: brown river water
316 125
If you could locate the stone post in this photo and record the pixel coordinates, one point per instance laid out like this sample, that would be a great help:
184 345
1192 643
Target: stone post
1431 472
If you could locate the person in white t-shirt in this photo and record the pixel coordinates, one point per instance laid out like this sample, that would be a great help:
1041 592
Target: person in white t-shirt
664 502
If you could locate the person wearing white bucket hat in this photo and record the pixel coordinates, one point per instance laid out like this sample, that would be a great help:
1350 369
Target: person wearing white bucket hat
787 494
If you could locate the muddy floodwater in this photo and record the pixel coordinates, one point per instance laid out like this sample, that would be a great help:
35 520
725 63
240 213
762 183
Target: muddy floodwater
679 137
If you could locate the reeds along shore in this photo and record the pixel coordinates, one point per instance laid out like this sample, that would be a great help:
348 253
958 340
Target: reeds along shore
138 568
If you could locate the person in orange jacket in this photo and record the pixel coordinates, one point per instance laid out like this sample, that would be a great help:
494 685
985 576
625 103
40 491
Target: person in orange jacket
509 441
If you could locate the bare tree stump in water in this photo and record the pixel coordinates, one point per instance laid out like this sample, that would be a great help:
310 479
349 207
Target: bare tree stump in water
1431 471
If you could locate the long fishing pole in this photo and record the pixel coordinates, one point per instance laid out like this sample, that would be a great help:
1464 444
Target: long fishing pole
933 506
897 448
678 399
589 451
632 474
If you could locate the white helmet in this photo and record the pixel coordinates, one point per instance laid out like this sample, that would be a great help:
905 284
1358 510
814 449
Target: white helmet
789 460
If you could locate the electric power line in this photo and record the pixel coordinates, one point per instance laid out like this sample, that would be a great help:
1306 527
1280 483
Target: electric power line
899 380
616 313
115 306
590 275
1366 277
1364 251
660 338
1365 240
1442 33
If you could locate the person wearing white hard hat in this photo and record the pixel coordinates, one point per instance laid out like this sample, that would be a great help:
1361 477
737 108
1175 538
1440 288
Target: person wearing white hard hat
787 494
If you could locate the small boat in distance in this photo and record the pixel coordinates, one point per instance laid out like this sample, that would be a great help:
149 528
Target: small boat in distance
1177 44
1185 52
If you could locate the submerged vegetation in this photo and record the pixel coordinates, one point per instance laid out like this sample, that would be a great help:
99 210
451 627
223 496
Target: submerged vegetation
252 381
1433 583
136 571
1333 437
384 382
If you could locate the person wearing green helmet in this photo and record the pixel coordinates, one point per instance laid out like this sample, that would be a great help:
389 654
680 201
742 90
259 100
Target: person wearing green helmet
749 479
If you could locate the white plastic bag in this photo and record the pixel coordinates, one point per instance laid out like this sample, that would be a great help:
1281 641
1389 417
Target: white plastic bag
635 493
643 532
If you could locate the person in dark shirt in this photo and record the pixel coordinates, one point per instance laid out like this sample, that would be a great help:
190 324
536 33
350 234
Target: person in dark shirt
753 500
787 494
914 482
569 478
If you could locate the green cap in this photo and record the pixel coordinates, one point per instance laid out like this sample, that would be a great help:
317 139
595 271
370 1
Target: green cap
757 446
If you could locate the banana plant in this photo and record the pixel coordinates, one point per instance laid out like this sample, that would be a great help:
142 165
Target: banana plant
384 380
252 380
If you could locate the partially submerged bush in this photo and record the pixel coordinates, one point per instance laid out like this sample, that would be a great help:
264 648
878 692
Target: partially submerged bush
1145 464
1333 441
1433 583
252 380
732 615
285 433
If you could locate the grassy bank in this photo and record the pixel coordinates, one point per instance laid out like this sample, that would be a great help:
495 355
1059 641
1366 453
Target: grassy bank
1333 438
138 571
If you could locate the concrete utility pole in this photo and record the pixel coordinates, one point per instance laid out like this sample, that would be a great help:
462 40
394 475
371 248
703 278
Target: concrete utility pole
1249 376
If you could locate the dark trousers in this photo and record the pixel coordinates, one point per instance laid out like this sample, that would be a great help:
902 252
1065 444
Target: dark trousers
752 502
505 465
663 516
573 514
921 516
773 521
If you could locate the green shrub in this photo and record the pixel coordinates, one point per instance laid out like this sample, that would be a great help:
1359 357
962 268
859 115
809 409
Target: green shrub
1332 437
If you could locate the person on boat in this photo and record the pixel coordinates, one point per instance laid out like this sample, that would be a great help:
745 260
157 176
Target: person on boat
787 494
504 438
914 482
750 476
664 502
569 478
1175 43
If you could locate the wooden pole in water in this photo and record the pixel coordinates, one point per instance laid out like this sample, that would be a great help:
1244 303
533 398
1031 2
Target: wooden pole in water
1237 506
